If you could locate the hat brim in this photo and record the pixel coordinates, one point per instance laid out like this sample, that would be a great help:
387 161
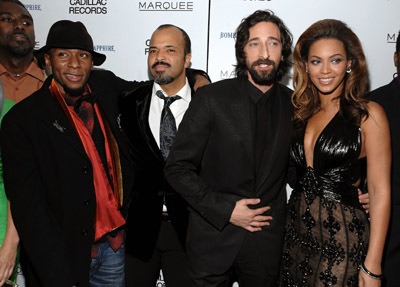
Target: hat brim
98 58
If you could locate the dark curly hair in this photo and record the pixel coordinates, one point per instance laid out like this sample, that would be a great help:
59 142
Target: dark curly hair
242 36
305 98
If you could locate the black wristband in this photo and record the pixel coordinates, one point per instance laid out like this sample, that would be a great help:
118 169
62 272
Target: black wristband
370 274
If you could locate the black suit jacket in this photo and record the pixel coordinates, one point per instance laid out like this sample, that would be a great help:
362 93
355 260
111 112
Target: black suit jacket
211 165
150 186
48 179
388 97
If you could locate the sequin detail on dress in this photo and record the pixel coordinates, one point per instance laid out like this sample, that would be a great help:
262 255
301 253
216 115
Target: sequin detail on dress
327 231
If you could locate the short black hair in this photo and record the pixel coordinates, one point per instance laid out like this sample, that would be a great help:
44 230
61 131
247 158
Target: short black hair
186 39
14 1
18 3
398 43
242 36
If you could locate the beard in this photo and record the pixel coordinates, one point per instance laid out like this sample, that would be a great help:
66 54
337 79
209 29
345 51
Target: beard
23 48
263 78
163 80
159 78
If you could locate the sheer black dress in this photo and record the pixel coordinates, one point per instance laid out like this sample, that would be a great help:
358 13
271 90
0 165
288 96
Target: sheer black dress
327 230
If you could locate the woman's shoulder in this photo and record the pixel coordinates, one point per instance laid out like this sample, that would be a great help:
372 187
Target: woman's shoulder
376 116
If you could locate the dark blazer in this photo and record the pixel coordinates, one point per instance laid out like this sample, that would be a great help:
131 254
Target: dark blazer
145 210
49 181
388 97
211 165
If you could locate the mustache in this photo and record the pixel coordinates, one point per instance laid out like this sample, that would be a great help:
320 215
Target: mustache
160 63
20 33
263 61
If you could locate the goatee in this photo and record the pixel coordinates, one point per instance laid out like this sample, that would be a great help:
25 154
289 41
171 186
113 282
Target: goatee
263 78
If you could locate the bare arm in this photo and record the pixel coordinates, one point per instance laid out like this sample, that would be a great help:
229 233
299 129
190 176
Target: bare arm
8 250
376 146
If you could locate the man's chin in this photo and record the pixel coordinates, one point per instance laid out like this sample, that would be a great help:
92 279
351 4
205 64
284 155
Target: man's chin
20 51
75 91
163 80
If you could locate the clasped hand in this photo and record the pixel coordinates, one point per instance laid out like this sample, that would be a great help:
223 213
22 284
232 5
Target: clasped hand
247 218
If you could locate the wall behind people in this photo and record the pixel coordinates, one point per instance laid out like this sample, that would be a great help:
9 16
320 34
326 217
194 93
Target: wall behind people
121 29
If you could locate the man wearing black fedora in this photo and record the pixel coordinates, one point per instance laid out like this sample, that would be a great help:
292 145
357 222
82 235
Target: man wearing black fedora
67 167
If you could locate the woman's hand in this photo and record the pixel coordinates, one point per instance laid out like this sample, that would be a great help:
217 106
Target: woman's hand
8 255
365 281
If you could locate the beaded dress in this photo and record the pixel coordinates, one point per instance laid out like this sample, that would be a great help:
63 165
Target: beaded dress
327 230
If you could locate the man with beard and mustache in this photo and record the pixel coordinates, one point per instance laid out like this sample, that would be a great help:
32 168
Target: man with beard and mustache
158 216
229 162
20 76
19 70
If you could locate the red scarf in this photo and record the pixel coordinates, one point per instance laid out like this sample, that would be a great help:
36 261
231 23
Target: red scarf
108 216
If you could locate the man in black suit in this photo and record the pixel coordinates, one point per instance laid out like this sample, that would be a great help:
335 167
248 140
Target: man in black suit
229 162
388 97
158 216
68 169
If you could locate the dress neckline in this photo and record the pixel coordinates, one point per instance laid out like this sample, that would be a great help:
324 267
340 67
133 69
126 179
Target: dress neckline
316 142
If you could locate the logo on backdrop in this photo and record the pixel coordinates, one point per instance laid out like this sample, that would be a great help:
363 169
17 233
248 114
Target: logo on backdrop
227 74
174 6
33 7
146 50
87 7
227 35
391 37
104 48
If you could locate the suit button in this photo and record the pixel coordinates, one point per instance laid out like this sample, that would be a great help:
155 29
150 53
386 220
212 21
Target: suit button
85 169
160 192
85 232
86 202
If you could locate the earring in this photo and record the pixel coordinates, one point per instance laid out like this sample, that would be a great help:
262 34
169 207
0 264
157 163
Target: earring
307 71
348 71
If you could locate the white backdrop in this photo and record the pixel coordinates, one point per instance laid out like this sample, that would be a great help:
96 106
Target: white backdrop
122 28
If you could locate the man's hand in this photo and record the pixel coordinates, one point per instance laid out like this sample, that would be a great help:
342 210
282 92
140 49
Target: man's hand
364 200
249 219
200 81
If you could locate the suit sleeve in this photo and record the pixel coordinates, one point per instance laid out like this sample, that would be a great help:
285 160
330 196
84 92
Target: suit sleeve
184 164
39 232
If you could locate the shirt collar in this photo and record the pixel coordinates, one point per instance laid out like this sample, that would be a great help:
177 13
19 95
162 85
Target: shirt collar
184 93
33 70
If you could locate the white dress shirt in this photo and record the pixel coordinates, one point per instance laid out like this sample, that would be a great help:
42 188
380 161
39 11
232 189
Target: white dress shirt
178 108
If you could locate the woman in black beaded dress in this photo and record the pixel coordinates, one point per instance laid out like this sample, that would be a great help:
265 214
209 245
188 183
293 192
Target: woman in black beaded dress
328 235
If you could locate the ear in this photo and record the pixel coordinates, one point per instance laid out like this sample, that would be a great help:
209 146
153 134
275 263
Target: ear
188 57
306 66
349 63
47 60
396 58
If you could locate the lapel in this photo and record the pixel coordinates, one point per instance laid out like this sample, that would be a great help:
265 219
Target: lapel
114 123
56 121
142 112
241 113
280 120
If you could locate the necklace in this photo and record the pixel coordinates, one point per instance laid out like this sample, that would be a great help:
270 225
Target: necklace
17 75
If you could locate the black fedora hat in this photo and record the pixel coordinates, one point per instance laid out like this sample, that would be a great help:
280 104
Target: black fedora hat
69 35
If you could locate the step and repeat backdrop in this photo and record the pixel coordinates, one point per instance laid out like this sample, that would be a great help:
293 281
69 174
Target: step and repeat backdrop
121 29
